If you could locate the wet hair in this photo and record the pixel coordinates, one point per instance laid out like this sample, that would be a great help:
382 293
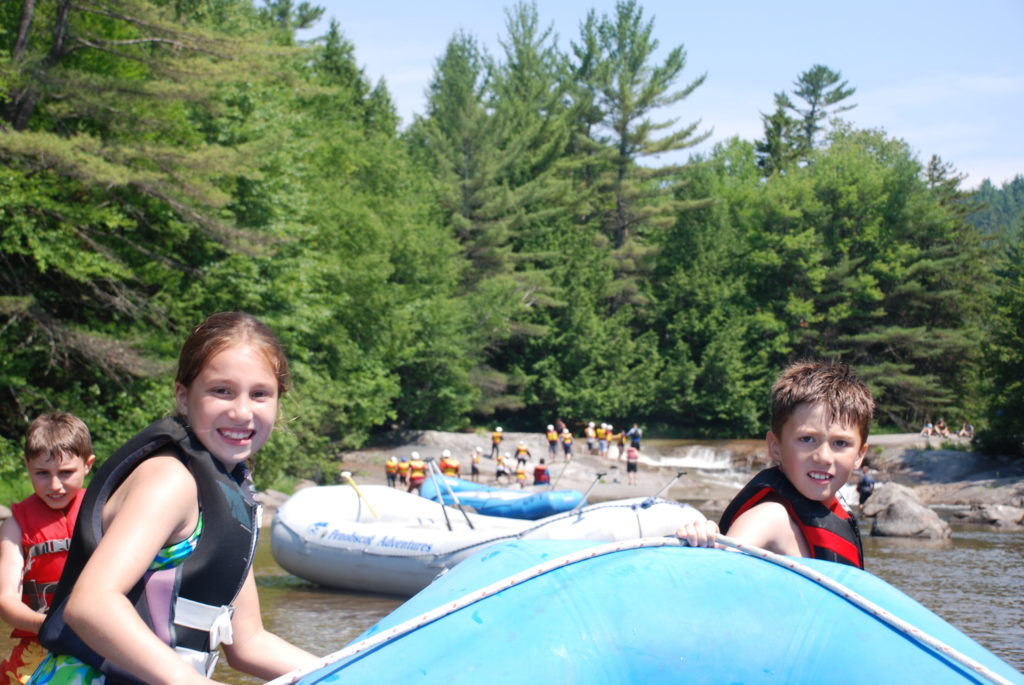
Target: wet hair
845 397
227 329
57 436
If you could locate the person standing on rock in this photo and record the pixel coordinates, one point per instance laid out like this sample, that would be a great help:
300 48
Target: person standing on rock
590 434
496 437
391 471
603 434
522 454
567 444
417 473
632 464
403 472
474 465
866 485
552 438
450 466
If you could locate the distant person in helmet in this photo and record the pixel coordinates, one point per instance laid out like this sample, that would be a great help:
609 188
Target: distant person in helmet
496 437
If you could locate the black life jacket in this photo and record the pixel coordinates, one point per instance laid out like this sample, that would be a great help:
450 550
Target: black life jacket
196 596
831 532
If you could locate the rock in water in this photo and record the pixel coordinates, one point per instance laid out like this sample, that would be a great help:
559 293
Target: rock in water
907 518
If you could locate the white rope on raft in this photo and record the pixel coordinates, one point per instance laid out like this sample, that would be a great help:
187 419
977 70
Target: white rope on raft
475 596
867 605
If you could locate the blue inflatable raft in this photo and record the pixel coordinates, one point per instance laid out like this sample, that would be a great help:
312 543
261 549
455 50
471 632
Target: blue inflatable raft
651 611
504 502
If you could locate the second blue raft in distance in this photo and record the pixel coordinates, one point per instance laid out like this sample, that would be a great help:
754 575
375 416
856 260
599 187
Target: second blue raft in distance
505 502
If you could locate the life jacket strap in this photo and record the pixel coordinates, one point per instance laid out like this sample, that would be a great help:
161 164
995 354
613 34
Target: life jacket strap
48 547
204 663
208 618
37 594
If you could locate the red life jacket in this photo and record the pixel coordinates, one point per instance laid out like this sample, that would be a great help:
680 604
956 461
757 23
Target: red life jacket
540 474
45 538
831 532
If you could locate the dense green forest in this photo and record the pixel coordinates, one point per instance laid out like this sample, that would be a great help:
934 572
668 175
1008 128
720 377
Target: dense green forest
517 252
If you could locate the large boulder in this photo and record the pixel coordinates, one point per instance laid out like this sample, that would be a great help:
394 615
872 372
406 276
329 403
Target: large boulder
902 515
885 494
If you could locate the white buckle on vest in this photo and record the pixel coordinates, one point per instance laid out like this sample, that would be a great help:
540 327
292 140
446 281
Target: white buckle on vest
47 547
202 662
215 620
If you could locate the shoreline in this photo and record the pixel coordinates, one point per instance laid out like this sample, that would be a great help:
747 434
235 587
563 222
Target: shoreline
943 477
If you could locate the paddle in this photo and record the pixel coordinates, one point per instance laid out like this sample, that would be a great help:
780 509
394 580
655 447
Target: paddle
347 475
448 487
668 485
437 489
583 499
564 467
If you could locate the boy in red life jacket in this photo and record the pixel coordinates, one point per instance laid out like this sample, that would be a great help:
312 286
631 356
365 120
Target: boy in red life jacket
820 415
34 540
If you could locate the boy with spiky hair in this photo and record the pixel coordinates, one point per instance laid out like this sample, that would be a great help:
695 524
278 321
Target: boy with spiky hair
34 540
820 416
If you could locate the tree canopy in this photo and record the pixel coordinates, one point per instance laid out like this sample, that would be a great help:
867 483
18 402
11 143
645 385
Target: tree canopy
517 253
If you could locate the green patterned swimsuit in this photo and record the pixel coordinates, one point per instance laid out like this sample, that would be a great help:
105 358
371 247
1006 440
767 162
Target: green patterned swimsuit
62 669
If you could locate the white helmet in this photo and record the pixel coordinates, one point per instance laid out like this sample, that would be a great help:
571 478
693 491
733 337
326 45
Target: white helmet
480 449
550 427
446 453
498 429
591 424
415 455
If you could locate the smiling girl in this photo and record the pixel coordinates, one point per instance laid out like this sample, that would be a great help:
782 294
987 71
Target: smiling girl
159 575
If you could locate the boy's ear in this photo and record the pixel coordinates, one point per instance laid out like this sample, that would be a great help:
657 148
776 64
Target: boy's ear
860 457
774 448
89 461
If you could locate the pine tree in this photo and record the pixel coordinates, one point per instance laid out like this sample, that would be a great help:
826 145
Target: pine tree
631 199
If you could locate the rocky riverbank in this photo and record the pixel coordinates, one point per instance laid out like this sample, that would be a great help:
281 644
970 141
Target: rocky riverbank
939 476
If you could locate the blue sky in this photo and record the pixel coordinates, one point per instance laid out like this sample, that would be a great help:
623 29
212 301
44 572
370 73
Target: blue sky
945 76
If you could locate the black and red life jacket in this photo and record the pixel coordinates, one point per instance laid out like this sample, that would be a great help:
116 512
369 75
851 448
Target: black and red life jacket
831 532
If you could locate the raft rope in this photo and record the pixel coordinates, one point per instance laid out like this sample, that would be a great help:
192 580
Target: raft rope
439 612
867 605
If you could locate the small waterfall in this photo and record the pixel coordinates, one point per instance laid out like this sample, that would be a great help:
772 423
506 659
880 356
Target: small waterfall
698 457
